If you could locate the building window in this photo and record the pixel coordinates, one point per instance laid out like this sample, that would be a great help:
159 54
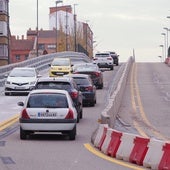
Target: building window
17 57
3 50
3 28
26 56
3 6
41 46
51 46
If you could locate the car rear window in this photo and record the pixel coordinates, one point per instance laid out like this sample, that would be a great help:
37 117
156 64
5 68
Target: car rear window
102 55
61 62
53 85
81 81
56 100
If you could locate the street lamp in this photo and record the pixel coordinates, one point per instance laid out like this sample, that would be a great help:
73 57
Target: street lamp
75 30
164 44
37 29
167 44
57 2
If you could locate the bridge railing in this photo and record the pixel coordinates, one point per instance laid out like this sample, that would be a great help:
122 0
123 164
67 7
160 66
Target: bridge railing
40 62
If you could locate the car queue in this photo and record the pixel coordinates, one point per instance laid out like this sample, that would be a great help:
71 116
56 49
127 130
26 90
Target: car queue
73 84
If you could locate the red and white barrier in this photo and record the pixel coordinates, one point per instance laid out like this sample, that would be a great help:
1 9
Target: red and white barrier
100 136
154 154
150 153
126 146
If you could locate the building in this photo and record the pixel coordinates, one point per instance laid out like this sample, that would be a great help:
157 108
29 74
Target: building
4 33
66 37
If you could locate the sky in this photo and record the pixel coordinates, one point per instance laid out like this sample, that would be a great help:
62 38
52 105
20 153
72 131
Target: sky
117 25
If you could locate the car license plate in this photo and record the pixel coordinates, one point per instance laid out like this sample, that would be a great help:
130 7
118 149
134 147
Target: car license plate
47 114
19 88
59 73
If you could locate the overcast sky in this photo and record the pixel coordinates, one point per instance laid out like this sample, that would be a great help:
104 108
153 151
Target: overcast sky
118 25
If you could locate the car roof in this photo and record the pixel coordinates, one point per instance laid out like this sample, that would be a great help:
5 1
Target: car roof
23 68
48 91
77 75
56 79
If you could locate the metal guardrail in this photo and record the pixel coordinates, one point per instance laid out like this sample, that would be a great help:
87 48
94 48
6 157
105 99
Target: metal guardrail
40 62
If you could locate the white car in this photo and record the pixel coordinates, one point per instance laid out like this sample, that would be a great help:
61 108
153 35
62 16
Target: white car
21 80
48 110
104 60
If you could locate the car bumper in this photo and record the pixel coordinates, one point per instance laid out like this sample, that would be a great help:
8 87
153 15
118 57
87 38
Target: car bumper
55 125
87 97
26 89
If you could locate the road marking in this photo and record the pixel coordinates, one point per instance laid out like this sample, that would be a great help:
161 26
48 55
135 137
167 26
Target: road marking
9 122
111 159
137 103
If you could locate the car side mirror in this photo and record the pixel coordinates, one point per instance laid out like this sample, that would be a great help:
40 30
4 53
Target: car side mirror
20 103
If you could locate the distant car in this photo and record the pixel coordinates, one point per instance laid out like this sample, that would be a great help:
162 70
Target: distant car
115 57
63 83
104 60
60 67
87 88
92 70
21 80
48 110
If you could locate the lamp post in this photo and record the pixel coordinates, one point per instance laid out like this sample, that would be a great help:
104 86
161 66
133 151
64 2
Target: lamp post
37 30
57 2
167 44
75 29
164 45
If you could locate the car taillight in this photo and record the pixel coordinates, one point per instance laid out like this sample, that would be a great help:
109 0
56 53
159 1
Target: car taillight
74 94
109 58
89 88
97 74
24 114
70 114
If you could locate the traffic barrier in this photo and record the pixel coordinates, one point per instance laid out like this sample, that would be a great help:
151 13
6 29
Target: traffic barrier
154 154
165 161
111 142
100 136
114 143
139 150
126 146
150 153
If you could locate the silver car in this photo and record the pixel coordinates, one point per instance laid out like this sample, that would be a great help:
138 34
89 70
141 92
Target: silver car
48 110
21 80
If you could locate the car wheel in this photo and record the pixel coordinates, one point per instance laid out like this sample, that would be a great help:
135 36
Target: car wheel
111 68
6 94
92 103
78 117
81 114
23 134
100 86
72 134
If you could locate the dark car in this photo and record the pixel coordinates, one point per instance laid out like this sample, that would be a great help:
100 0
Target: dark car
87 88
115 58
92 70
63 83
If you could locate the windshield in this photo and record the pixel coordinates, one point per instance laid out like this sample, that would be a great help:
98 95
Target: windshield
22 73
61 62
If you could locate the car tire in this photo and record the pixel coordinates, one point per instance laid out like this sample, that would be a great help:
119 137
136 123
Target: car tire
92 103
81 114
6 94
100 86
23 134
72 134
111 68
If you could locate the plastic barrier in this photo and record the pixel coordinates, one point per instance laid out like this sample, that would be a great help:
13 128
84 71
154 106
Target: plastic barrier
165 161
101 134
126 146
114 143
139 151
151 159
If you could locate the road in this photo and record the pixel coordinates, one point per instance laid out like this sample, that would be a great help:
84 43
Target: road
144 110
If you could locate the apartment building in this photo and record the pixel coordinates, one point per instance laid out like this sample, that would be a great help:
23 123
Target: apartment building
4 33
